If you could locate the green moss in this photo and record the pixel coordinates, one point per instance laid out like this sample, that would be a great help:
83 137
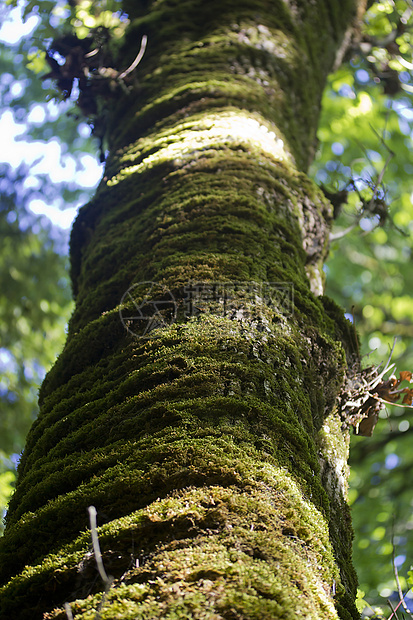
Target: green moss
235 401
215 558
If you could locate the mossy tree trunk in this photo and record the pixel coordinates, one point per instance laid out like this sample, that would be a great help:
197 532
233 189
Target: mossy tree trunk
206 436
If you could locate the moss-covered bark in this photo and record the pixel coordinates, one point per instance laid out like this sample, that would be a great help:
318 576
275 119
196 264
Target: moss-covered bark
210 446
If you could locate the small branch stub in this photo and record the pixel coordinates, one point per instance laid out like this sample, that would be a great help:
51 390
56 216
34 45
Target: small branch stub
365 394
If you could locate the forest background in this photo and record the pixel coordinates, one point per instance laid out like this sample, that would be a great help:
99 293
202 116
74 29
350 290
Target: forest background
365 149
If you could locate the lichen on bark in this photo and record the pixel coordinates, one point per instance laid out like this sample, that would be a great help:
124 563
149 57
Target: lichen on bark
207 446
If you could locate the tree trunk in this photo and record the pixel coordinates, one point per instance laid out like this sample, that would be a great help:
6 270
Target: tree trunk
194 402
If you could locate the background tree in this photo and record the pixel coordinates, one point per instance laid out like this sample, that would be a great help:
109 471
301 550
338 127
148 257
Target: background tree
313 271
36 300
368 274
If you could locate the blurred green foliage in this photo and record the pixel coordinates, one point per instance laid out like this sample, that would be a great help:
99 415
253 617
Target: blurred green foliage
35 294
35 300
365 149
369 274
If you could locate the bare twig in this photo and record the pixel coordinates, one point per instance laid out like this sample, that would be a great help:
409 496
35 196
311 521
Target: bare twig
370 205
68 612
343 233
379 377
394 615
390 356
95 542
396 575
387 402
107 579
354 332
137 59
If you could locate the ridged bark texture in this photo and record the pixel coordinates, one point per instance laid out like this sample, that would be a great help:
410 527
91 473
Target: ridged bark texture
209 445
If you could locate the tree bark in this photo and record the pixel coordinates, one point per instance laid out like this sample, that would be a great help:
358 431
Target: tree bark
197 413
